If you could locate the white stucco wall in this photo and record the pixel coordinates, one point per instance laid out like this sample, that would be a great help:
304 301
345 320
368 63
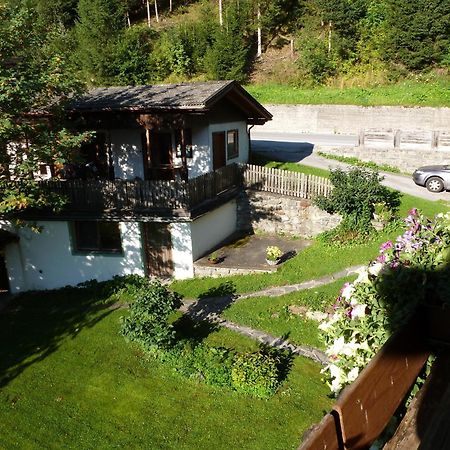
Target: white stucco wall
45 260
126 146
243 138
210 229
182 250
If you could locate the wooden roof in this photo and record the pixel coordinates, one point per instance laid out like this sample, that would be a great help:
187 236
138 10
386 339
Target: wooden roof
198 97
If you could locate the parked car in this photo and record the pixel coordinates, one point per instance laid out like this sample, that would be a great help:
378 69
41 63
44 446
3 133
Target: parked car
434 178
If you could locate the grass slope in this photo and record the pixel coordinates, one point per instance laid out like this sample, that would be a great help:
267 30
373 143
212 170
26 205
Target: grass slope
68 380
407 93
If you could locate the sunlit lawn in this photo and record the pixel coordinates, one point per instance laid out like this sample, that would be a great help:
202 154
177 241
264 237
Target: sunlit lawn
69 380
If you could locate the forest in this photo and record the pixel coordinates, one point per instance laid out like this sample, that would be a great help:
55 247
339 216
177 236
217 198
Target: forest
303 43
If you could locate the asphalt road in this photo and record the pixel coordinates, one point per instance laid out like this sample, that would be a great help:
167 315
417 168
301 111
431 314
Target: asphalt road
299 148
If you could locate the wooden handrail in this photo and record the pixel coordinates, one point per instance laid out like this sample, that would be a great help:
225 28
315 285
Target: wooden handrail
365 407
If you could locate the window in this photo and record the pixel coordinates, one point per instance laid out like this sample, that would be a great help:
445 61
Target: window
187 137
97 237
232 144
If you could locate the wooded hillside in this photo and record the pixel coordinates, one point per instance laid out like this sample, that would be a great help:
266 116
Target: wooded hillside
299 42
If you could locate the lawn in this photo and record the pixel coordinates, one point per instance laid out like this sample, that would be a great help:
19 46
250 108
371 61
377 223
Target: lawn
434 92
69 380
273 314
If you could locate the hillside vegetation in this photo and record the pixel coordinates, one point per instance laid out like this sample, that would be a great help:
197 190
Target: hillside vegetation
324 51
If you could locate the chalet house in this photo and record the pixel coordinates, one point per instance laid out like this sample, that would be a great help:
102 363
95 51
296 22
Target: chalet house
156 193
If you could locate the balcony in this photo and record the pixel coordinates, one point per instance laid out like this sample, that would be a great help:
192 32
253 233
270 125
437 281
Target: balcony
139 199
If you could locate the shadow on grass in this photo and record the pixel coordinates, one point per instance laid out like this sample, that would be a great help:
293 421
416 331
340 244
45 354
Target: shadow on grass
34 325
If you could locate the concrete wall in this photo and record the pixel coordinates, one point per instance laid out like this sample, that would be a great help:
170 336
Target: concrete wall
348 119
407 160
212 228
273 213
182 250
45 260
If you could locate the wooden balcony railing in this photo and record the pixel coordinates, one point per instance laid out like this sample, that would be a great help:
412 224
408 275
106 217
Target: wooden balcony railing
119 198
172 198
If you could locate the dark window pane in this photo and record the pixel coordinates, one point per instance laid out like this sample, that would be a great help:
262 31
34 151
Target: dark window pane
109 236
232 144
97 236
86 235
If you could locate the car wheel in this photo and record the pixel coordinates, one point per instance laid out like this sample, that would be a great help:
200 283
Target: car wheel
435 184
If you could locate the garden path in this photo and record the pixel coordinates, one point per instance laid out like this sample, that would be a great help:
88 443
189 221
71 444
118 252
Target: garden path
210 308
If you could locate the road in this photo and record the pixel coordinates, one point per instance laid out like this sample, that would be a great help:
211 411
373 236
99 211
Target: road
299 148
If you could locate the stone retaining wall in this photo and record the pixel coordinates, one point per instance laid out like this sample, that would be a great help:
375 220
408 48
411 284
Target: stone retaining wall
273 213
217 272
407 160
348 119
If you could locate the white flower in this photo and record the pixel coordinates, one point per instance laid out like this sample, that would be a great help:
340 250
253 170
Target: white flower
363 276
353 374
347 291
376 268
336 348
327 324
358 311
336 375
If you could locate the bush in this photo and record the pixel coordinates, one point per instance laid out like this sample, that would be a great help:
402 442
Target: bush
354 195
148 322
256 373
209 364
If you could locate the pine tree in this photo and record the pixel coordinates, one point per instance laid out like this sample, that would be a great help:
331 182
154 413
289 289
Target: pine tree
100 27
418 33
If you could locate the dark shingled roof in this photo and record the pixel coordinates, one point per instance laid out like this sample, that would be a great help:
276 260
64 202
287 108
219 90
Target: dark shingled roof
198 96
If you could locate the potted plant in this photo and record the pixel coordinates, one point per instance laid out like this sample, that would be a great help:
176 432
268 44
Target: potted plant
273 255
214 258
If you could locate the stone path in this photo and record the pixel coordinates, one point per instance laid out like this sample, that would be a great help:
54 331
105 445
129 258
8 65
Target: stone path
210 308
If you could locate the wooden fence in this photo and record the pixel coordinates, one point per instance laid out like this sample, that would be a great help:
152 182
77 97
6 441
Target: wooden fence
283 182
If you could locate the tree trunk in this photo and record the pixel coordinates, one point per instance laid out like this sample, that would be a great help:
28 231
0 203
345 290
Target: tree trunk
220 13
156 11
259 51
148 14
170 6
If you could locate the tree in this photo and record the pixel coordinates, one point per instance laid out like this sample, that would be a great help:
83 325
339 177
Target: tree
35 86
99 30
418 33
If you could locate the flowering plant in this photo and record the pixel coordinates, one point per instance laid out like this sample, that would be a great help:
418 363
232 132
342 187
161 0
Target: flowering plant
273 253
410 270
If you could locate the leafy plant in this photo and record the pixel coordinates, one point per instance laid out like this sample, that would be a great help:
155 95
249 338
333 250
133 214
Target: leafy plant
148 322
273 253
413 270
354 195
255 373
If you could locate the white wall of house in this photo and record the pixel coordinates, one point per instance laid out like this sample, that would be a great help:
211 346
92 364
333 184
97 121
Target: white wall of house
45 260
243 139
126 146
182 250
210 229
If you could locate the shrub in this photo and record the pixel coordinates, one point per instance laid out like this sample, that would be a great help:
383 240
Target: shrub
209 364
354 195
256 373
411 271
148 322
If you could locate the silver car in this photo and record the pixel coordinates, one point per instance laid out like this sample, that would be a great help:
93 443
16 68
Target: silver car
434 178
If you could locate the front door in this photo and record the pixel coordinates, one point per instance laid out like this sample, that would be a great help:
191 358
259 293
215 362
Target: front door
158 249
219 159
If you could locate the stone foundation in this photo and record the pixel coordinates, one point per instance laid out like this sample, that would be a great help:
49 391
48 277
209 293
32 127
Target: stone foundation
273 213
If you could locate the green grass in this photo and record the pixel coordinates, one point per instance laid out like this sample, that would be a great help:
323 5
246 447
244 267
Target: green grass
435 93
68 380
271 314
357 162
